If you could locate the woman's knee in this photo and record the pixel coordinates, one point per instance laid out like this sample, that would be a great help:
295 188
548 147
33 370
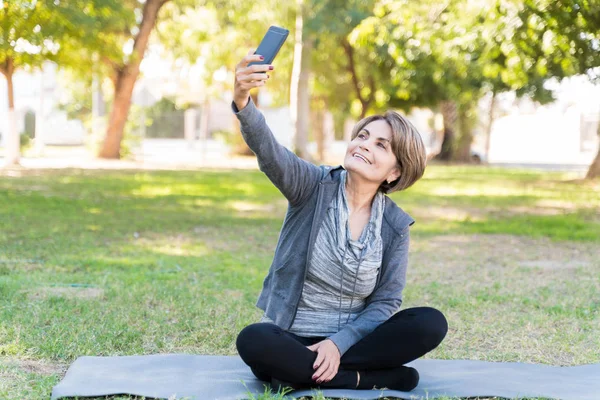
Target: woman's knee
252 339
428 323
436 326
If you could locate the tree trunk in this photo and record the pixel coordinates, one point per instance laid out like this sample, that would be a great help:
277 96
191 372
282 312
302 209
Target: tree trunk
124 81
448 110
118 115
488 133
465 138
365 102
299 95
39 118
12 141
328 133
317 127
594 170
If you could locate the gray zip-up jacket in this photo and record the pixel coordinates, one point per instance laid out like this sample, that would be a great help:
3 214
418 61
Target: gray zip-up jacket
309 189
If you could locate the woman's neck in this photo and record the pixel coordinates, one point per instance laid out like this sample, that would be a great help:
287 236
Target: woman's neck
359 193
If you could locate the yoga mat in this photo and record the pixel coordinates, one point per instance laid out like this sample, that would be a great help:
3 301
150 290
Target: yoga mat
207 377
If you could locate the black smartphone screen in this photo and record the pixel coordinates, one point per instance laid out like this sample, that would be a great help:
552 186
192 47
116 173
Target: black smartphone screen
270 44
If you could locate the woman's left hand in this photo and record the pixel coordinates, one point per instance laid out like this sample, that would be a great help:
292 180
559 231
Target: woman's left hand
327 362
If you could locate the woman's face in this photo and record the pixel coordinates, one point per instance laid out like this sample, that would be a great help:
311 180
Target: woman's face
370 154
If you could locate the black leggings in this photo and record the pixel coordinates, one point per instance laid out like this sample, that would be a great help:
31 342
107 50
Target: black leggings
272 352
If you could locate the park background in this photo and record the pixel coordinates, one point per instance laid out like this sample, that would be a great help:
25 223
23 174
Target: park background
133 220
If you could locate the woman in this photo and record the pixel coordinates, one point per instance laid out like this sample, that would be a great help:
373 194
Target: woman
332 294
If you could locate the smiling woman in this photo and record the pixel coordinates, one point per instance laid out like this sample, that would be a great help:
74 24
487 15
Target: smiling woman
393 142
332 297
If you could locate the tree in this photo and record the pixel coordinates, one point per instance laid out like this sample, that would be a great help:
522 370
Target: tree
28 33
125 74
343 72
570 33
447 55
594 170
299 86
330 72
339 76
112 44
431 52
216 36
32 32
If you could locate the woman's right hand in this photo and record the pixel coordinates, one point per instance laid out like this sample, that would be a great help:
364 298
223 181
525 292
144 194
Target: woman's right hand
248 77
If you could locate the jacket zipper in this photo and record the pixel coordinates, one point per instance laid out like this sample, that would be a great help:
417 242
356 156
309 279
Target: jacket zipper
310 248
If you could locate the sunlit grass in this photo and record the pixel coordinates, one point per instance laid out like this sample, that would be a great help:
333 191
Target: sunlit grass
133 262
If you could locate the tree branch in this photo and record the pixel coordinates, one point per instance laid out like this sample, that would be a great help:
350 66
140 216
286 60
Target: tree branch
7 68
372 87
351 68
149 16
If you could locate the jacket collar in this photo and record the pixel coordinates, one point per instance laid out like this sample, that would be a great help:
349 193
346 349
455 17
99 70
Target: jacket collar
396 217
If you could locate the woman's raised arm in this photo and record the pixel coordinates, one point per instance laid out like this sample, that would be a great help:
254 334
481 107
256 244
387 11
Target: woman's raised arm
293 176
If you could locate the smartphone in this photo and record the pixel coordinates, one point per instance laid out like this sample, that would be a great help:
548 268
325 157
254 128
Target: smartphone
270 44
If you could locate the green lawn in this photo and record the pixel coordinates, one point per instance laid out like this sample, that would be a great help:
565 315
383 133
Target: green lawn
134 262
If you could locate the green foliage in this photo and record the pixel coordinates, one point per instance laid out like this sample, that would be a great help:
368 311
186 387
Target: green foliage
366 54
563 35
458 50
425 51
164 105
24 26
133 133
32 32
430 52
222 32
268 394
104 28
336 62
165 120
30 124
24 141
76 99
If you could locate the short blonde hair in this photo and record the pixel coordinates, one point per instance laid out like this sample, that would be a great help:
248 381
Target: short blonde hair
407 146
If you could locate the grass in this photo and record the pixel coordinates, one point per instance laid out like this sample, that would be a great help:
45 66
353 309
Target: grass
132 262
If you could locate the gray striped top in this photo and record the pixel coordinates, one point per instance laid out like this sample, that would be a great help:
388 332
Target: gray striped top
342 272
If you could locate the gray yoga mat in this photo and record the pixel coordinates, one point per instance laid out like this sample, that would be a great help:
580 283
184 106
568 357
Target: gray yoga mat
204 377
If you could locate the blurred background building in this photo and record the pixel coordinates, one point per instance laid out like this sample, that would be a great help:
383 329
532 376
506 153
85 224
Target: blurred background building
560 133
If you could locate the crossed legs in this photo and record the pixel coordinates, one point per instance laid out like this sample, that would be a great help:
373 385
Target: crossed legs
379 357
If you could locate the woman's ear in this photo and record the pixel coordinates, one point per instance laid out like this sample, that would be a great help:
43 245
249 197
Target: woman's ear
395 174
